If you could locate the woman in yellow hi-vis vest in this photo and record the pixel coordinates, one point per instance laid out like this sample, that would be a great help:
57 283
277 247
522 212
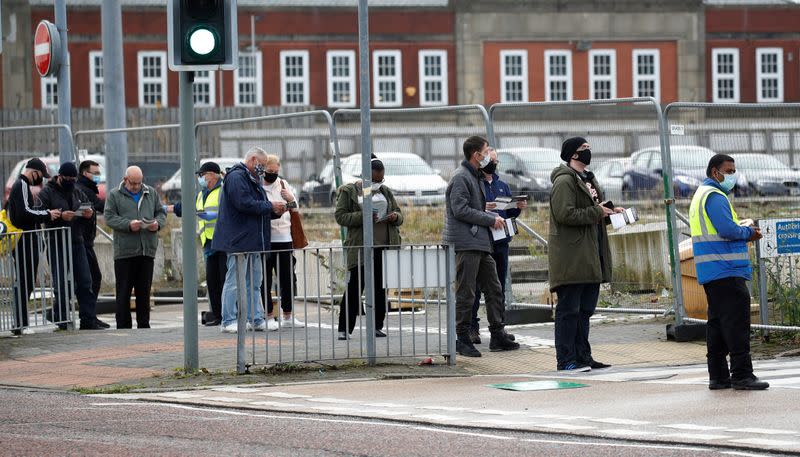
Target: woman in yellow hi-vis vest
723 266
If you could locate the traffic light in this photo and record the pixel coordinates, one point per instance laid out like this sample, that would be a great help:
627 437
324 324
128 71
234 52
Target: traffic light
202 35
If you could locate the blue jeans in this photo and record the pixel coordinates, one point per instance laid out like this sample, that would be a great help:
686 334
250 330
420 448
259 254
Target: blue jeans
230 290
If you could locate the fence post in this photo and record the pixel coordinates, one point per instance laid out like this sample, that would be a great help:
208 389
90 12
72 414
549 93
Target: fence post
763 301
241 312
451 304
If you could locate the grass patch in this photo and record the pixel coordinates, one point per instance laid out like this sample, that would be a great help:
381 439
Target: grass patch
115 389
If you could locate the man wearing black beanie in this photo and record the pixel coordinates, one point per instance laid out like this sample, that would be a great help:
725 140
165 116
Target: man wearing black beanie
578 254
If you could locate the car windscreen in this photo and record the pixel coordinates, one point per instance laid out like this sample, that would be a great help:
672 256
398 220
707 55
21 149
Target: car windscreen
691 159
758 162
395 166
541 160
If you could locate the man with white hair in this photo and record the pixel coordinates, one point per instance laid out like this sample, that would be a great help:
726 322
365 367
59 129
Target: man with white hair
135 213
244 226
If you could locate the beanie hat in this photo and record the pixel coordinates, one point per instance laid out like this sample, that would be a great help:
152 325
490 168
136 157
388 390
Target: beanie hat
570 147
68 169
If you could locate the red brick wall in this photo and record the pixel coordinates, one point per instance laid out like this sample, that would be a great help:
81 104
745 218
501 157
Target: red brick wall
752 20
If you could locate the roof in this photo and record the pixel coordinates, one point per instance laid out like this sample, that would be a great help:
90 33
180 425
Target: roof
269 3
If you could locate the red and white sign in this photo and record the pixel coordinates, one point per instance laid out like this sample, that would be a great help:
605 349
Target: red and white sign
46 46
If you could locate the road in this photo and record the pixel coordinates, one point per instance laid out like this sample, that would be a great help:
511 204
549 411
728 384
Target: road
49 423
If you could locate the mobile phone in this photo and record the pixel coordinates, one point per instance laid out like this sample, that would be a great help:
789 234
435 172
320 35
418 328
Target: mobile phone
609 204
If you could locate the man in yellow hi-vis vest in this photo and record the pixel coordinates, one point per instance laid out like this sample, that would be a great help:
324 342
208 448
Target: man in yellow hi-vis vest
719 243
209 178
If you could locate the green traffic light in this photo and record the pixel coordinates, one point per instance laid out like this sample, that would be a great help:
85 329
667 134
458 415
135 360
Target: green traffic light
203 41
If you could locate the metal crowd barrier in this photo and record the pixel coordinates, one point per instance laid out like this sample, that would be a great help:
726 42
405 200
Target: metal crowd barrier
419 307
36 275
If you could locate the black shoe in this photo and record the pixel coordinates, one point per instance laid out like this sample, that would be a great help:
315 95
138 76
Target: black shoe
598 365
91 326
501 342
380 334
466 348
212 323
62 326
719 385
16 332
475 336
343 336
510 336
101 324
750 384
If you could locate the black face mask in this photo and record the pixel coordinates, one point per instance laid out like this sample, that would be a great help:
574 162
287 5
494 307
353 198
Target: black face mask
491 168
68 186
584 156
270 177
38 180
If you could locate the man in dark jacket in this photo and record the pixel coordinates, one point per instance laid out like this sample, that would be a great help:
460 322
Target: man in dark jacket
88 179
578 253
23 214
243 226
135 213
467 228
60 193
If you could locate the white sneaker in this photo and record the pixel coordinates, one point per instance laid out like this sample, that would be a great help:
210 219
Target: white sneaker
230 328
272 325
258 327
292 322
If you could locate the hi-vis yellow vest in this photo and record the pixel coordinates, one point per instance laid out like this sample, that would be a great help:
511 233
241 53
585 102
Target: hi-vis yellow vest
205 229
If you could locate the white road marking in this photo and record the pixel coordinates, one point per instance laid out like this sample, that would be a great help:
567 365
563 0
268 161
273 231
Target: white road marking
236 390
385 405
491 412
765 442
276 404
626 432
696 436
179 395
283 395
434 417
225 399
763 431
339 401
566 426
443 408
701 428
612 420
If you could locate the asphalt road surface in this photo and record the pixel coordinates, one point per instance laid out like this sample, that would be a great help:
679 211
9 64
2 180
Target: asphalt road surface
50 423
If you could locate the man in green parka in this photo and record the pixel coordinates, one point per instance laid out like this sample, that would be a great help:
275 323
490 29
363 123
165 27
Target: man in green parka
578 253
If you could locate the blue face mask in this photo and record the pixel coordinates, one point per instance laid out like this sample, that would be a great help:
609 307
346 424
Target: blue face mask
96 179
730 181
202 181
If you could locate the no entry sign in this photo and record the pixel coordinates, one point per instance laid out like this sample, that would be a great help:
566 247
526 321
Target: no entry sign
47 48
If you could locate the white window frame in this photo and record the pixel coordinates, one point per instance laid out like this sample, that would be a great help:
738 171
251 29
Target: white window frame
397 79
761 76
162 56
49 81
716 77
442 78
94 80
655 77
610 78
257 80
548 78
350 79
304 80
212 93
505 77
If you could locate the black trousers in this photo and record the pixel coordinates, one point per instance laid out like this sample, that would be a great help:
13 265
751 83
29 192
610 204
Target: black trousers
500 256
94 270
576 304
728 329
133 272
59 253
351 300
282 263
476 269
26 255
216 269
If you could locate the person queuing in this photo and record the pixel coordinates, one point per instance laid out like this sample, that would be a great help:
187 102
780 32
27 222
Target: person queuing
243 226
467 228
134 212
493 187
88 180
60 193
26 217
578 253
281 261
209 178
387 219
719 245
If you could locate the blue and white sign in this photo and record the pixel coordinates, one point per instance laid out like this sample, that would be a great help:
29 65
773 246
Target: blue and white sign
781 237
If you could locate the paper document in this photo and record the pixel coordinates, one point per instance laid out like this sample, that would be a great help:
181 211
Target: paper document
629 216
508 229
503 203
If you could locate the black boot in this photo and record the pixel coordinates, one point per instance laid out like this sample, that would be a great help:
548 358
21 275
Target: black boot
501 342
464 346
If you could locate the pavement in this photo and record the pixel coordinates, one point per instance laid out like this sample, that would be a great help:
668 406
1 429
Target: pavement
655 391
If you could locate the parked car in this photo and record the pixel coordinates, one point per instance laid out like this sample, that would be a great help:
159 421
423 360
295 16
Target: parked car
644 178
609 174
171 189
52 163
411 179
761 174
527 170
156 172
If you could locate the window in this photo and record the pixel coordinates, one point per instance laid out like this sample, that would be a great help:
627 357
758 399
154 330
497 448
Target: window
506 163
341 79
204 88
769 74
49 92
558 76
725 74
513 76
387 79
646 73
294 78
247 80
96 79
152 79
602 74
432 78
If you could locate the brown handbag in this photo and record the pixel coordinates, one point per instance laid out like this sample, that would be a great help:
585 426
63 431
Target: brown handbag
299 240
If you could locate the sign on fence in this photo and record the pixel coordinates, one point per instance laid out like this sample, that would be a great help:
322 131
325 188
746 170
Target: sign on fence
414 267
781 237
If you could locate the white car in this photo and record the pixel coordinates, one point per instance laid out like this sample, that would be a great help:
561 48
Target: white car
172 187
410 178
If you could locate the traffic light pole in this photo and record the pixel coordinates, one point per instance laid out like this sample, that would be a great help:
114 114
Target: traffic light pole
65 150
188 223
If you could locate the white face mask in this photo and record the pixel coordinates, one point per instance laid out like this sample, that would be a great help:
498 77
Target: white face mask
486 159
376 185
